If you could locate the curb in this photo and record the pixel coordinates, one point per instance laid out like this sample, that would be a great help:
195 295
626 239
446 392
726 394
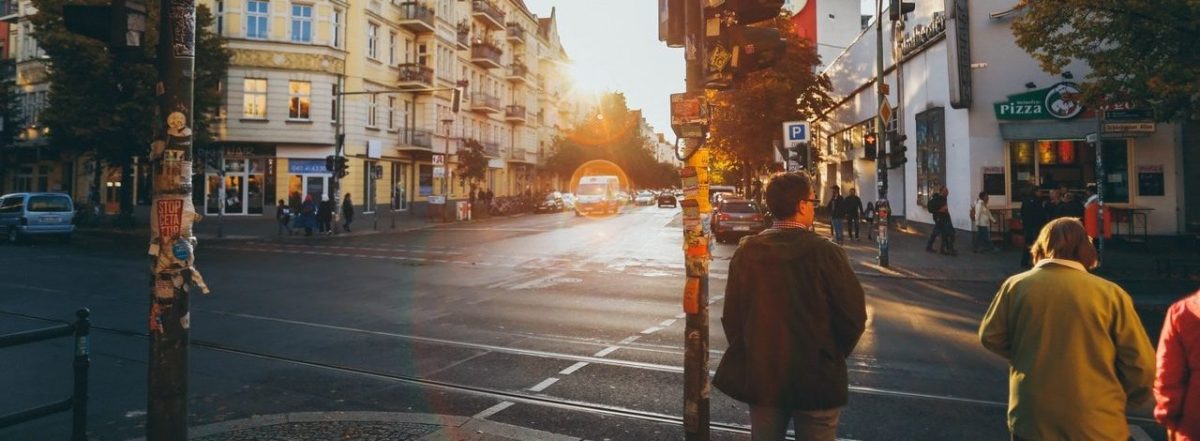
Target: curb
451 427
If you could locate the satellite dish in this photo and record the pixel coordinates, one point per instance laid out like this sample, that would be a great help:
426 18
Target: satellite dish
794 6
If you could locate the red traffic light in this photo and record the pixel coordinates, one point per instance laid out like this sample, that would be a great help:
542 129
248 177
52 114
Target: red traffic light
869 139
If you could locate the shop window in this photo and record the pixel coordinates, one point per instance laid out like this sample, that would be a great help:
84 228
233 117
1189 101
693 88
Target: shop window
425 180
369 186
399 192
931 153
254 98
1052 164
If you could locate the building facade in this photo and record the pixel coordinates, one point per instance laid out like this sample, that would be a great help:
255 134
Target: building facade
981 116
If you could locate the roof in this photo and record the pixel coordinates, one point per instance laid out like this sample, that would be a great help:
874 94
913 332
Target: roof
523 8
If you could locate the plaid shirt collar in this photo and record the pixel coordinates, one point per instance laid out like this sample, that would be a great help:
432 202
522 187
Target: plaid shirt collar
789 225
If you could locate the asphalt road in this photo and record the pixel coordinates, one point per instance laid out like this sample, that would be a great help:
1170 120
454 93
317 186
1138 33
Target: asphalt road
554 322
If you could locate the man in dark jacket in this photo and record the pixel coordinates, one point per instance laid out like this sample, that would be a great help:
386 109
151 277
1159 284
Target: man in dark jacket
852 209
794 312
837 215
938 205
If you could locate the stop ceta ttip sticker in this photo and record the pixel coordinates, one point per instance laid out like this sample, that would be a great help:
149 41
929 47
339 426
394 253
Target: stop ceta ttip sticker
691 295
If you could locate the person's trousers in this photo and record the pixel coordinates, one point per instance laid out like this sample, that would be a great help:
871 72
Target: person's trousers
837 228
933 235
983 239
852 227
770 424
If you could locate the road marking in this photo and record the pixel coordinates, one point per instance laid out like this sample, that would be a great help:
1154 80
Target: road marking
604 352
543 385
681 315
570 370
1139 434
540 282
629 340
651 330
667 323
492 410
870 316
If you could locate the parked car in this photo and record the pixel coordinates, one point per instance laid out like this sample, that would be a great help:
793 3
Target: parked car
736 217
644 198
29 214
568 201
666 199
552 202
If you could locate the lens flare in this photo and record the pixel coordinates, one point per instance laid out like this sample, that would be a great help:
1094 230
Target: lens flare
600 188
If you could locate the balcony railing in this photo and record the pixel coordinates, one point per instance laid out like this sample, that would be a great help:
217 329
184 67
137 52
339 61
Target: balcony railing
488 13
515 113
415 76
486 55
518 72
491 149
417 137
486 103
521 155
464 38
516 33
417 17
10 10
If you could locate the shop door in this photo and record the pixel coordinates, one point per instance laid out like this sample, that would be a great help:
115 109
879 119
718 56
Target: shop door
302 186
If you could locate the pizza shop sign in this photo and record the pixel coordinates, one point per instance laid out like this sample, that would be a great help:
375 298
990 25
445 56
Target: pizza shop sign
1060 101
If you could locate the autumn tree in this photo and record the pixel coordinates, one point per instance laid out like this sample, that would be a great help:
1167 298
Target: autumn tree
1144 52
472 164
612 133
108 107
748 118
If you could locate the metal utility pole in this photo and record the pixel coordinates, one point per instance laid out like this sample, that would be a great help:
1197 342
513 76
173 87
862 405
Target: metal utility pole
883 209
1100 179
696 387
172 213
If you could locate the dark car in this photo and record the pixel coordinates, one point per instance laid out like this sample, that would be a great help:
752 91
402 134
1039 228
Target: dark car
666 199
552 202
736 217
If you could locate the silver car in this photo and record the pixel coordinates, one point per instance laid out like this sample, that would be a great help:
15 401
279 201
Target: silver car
29 214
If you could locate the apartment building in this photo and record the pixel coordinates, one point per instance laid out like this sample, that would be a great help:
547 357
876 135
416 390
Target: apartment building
381 73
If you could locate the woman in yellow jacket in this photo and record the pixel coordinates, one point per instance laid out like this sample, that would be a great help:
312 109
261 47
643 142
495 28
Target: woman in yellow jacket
1076 349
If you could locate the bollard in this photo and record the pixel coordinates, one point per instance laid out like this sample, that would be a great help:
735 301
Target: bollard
79 398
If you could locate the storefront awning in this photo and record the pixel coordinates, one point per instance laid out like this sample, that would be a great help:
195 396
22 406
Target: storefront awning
1078 129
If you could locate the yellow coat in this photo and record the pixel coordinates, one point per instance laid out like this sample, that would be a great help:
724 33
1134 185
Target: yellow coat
1077 353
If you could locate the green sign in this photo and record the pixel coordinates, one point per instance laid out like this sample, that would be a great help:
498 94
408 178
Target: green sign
1060 101
1129 114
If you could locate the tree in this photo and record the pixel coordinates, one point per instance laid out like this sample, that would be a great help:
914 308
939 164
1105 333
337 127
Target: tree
613 134
10 124
1139 51
108 107
747 119
472 163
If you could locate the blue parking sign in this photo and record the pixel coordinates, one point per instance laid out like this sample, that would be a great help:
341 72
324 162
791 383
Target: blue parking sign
795 131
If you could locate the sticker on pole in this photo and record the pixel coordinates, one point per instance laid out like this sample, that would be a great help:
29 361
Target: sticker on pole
691 295
169 217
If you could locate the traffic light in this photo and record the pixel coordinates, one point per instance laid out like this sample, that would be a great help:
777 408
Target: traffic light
671 23
121 26
796 155
329 163
736 44
896 8
342 166
870 146
897 151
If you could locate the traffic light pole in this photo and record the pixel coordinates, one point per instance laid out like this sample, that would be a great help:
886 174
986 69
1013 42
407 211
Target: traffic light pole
696 388
882 207
172 214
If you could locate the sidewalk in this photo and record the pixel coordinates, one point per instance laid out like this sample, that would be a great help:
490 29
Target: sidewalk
366 426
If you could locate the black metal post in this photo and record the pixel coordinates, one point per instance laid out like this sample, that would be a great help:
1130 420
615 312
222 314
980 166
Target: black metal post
83 361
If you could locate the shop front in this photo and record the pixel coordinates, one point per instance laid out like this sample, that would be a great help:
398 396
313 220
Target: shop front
307 178
243 185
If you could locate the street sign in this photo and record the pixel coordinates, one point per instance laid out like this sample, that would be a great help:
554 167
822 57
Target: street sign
1130 127
885 111
795 131
689 115
439 159
1129 114
439 172
437 200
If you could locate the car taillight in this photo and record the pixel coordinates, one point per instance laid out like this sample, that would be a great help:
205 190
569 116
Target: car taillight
757 217
724 217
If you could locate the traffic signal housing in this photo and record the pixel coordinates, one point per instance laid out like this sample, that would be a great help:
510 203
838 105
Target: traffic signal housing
870 146
739 40
341 166
121 26
796 154
896 8
672 27
897 151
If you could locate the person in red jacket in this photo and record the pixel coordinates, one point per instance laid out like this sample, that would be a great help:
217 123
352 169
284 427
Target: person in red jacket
1176 385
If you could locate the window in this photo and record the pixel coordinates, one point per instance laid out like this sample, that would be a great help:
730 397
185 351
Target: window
302 23
423 54
372 109
334 102
257 12
299 99
391 113
931 153
425 180
392 49
399 193
254 98
220 17
369 186
337 28
372 40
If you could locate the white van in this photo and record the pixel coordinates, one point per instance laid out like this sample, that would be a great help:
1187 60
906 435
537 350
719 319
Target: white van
598 194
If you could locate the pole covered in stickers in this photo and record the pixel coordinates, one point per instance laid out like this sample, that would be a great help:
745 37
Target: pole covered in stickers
172 259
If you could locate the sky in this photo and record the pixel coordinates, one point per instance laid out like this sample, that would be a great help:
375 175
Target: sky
614 47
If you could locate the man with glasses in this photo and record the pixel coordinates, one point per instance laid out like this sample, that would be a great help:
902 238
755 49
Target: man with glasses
794 312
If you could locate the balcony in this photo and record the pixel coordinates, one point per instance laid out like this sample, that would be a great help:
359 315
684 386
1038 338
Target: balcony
516 34
515 114
517 154
488 14
491 149
10 10
416 139
486 55
484 103
415 76
417 17
518 73
464 38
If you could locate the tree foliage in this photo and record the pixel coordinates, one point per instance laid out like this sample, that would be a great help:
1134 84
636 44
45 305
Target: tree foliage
613 133
748 118
472 163
1139 51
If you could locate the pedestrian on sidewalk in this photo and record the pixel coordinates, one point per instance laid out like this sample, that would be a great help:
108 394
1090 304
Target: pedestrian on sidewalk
1070 207
1176 385
852 210
1033 217
1077 352
836 206
942 226
869 215
283 215
347 212
325 215
308 215
982 217
794 312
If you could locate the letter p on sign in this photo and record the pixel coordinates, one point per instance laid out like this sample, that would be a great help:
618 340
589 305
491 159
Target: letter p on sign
795 131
